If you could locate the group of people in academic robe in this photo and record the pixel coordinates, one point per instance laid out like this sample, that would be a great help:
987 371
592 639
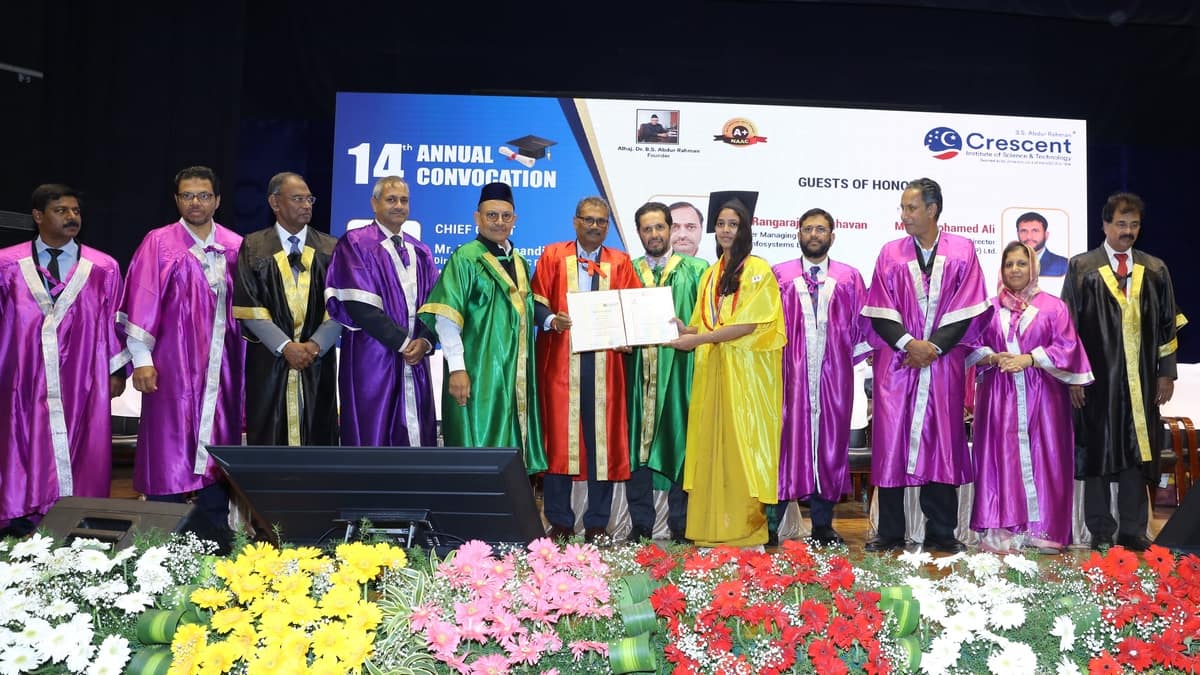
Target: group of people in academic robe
747 409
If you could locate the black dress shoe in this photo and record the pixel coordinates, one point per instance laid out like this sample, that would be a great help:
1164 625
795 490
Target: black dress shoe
950 545
1133 542
678 537
596 535
1101 543
639 533
560 532
772 538
882 544
826 536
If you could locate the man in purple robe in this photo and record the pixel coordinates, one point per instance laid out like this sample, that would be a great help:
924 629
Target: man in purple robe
927 298
187 351
61 360
827 335
379 276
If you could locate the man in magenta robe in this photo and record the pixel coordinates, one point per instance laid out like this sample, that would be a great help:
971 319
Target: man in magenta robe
822 304
187 351
378 278
927 297
61 361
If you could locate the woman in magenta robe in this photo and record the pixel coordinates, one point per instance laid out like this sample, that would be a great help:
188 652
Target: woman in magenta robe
1024 439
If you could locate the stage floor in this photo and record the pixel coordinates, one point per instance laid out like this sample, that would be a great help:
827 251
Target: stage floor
850 519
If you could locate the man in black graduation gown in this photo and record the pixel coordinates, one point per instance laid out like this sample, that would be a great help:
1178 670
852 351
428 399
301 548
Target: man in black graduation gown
1124 308
279 296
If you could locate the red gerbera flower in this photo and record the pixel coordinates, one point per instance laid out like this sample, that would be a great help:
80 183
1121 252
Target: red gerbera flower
650 555
728 597
1132 652
1104 664
813 617
845 605
842 632
1120 564
840 575
698 562
820 651
1159 559
668 600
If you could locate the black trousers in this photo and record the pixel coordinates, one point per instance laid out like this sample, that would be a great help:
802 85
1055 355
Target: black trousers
639 494
939 503
820 513
1133 504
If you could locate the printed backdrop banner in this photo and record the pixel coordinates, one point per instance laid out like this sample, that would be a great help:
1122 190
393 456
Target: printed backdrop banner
994 170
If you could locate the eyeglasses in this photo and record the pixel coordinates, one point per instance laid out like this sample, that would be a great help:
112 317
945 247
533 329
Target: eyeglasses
204 197
814 229
493 216
592 222
299 200
909 208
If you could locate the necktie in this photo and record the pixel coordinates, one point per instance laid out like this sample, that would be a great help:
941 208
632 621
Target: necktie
814 287
53 269
1122 268
657 273
294 256
398 242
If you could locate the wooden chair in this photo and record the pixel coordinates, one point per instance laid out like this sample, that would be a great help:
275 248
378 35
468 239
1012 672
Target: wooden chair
1187 462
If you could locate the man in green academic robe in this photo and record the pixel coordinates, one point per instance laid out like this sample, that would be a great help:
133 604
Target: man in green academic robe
482 310
659 384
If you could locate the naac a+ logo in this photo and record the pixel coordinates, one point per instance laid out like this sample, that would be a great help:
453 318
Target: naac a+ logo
739 131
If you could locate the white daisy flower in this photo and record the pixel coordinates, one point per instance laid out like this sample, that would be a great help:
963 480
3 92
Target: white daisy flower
93 562
61 643
59 606
1015 658
81 658
943 654
132 603
1021 564
948 560
35 547
1007 615
1064 630
984 564
18 659
915 559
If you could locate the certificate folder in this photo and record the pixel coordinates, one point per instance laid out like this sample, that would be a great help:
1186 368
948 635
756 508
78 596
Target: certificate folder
630 317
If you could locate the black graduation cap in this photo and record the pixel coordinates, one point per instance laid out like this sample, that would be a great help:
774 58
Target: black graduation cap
717 200
532 146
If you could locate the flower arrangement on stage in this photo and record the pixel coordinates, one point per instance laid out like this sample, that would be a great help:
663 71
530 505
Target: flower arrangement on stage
295 610
74 608
743 611
1110 614
553 609
542 609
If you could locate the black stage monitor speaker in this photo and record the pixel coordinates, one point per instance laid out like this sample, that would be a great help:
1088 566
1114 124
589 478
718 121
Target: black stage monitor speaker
113 520
1181 533
433 497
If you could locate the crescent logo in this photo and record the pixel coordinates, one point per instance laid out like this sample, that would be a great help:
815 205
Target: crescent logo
943 142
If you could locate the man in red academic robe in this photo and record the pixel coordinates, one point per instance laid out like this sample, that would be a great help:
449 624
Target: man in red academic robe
581 395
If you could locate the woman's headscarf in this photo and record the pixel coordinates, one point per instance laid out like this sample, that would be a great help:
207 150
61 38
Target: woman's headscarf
1017 301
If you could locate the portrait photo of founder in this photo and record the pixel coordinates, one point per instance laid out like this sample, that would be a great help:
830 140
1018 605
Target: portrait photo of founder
658 126
1033 230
